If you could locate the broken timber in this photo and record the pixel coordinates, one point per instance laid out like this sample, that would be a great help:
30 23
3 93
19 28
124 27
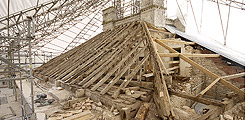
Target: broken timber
203 69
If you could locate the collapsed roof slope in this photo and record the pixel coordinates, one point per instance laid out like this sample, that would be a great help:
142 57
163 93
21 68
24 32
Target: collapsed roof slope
112 57
116 59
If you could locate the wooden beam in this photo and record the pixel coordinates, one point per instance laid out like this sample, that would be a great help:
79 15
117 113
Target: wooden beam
169 54
107 67
153 27
173 68
209 87
167 33
101 68
173 62
187 55
215 81
203 69
124 70
113 70
229 77
197 99
148 75
160 85
201 55
129 77
176 41
142 112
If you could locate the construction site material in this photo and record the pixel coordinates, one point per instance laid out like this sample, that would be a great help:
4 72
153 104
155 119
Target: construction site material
124 66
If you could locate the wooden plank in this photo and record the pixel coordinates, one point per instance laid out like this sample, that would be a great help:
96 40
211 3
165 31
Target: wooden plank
109 56
209 87
148 75
187 55
203 69
176 41
142 112
104 64
160 84
167 33
129 77
229 77
83 51
200 55
89 60
173 68
111 71
147 85
153 27
169 54
197 99
88 53
173 62
126 67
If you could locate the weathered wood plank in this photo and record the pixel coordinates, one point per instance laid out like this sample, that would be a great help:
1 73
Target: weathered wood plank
106 68
209 87
142 112
129 77
160 84
87 60
115 68
113 81
229 77
104 63
176 41
89 52
197 99
187 55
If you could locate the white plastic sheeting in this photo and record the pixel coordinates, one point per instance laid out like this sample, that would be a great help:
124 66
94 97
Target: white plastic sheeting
17 5
211 45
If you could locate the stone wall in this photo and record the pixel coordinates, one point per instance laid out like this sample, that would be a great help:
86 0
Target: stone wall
152 11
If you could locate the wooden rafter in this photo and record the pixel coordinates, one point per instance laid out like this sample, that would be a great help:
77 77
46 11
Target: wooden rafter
177 41
129 77
187 55
162 95
217 80
197 99
203 69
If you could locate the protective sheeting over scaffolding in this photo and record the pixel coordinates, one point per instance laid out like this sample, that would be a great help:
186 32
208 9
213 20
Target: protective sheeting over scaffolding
211 45
17 5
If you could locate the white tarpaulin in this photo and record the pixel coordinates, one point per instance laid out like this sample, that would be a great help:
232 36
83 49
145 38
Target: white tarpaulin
17 5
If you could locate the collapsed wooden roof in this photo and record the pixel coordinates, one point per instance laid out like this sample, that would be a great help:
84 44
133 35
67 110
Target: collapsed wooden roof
112 59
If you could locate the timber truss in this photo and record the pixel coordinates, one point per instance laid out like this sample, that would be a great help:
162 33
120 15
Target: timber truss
116 62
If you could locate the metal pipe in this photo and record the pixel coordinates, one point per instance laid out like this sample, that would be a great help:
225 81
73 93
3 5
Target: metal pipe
21 89
30 61
8 37
11 79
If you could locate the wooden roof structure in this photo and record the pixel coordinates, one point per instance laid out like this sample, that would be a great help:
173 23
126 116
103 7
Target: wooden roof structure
117 59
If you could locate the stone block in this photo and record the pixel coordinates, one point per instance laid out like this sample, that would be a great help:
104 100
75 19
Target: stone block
149 3
57 83
80 93
154 16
